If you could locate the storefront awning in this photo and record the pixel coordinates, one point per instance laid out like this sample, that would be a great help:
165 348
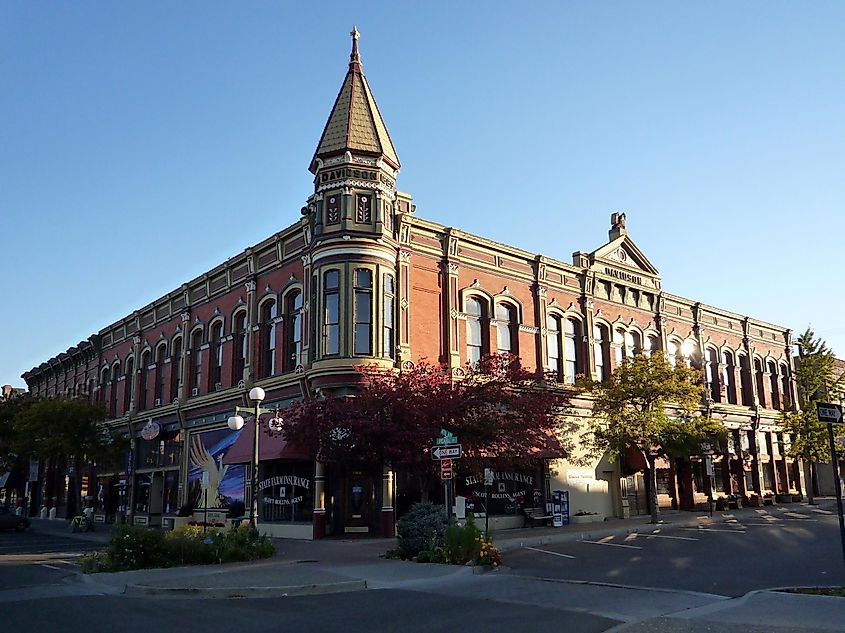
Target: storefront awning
552 450
269 447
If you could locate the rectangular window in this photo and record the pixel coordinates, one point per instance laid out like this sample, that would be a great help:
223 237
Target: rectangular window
331 313
363 311
553 344
387 341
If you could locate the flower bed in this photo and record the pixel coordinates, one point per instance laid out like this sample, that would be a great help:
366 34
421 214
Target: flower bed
133 547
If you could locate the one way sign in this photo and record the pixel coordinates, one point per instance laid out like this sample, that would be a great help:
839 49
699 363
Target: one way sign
830 413
446 452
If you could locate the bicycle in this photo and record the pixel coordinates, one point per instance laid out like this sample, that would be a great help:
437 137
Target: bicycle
81 523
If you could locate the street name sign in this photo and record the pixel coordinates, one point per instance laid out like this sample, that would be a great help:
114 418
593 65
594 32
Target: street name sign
445 438
446 452
829 413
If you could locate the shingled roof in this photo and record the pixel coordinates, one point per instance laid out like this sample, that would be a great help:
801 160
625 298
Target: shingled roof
355 123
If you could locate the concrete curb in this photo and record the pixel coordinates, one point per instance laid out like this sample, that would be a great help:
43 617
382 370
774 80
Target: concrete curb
245 592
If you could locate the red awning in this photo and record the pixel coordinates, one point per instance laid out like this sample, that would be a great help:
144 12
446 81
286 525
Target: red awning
269 447
553 449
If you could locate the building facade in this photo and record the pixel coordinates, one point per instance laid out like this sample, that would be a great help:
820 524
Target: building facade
360 277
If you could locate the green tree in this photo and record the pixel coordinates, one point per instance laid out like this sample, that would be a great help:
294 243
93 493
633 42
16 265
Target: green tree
10 410
652 406
67 432
817 379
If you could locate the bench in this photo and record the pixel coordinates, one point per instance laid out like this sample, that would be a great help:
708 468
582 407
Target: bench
536 516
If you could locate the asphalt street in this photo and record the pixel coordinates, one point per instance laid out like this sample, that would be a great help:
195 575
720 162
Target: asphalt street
28 559
774 547
358 612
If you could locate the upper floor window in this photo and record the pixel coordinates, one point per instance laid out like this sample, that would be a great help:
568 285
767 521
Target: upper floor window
758 377
215 336
785 391
115 375
571 340
554 345
331 312
651 344
745 381
712 375
239 333
388 343
145 379
476 338
293 325
672 353
506 328
774 384
161 352
129 380
601 352
363 291
196 362
729 376
267 338
175 366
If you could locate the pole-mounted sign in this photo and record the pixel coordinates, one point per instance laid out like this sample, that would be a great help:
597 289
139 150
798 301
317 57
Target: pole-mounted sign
832 414
446 452
829 413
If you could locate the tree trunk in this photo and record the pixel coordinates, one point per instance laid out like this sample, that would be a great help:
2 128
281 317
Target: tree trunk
652 488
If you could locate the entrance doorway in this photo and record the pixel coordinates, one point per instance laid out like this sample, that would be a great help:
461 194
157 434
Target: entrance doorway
358 496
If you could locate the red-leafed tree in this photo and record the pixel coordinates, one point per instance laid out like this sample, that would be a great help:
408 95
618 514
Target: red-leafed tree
502 413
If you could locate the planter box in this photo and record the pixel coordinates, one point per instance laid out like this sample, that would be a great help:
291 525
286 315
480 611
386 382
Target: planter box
783 498
754 501
586 518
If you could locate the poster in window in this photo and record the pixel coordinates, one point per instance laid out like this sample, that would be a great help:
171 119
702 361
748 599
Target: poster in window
226 482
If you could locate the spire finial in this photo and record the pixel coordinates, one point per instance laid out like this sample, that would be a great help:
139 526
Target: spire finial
355 58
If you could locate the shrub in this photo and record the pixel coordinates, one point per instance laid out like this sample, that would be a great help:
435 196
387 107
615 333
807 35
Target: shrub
487 554
423 524
236 509
462 543
142 548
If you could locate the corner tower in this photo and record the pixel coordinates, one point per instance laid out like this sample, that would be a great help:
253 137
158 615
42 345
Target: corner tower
351 225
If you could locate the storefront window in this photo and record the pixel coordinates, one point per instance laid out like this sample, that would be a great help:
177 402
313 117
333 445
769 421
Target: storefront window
286 491
162 452
143 483
171 491
511 491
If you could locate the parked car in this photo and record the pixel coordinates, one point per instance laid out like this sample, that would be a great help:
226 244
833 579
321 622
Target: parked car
11 521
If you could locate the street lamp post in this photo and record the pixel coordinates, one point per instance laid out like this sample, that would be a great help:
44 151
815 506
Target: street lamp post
236 423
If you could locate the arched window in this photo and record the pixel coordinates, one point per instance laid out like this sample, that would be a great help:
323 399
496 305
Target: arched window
115 374
729 376
633 344
267 338
758 376
129 379
175 366
104 381
161 353
293 330
650 345
476 338
745 381
239 348
196 362
571 345
145 380
331 313
388 337
506 341
619 345
363 291
215 340
601 352
554 345
785 390
711 373
774 384
672 353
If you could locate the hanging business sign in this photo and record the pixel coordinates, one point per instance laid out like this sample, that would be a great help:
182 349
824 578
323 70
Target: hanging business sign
151 430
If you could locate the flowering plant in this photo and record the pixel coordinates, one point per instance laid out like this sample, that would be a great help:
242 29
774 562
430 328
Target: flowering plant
487 553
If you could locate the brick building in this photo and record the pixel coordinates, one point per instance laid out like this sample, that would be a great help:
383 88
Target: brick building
360 276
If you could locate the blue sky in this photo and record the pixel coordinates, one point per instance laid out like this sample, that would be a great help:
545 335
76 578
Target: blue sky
143 143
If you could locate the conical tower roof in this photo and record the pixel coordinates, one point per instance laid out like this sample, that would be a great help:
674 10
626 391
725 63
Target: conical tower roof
355 123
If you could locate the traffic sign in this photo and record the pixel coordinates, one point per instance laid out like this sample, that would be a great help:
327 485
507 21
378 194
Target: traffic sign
830 413
445 438
444 452
445 469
